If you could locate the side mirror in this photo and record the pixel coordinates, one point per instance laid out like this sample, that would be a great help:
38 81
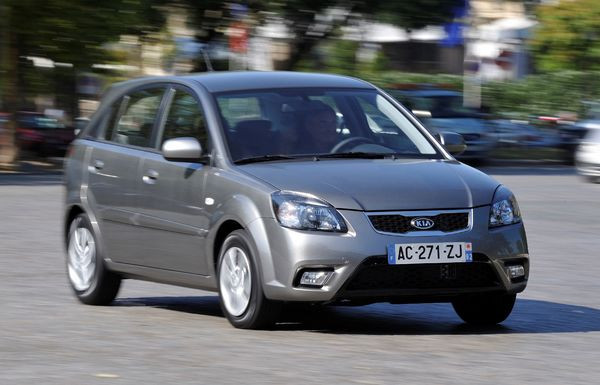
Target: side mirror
421 114
453 142
184 149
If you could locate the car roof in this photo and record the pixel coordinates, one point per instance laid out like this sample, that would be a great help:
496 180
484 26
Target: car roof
234 81
256 80
427 93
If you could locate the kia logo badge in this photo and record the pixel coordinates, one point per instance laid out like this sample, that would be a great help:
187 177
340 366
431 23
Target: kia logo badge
422 223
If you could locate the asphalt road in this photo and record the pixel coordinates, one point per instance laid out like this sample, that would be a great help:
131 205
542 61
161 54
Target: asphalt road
158 334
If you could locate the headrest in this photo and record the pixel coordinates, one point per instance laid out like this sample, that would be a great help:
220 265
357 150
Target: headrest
253 126
311 106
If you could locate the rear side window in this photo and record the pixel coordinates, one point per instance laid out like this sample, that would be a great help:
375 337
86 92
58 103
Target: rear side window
185 119
107 121
137 120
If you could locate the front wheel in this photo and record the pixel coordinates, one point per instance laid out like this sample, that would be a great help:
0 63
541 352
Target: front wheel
242 298
484 310
92 283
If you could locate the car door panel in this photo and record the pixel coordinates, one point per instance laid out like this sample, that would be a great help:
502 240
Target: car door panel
113 187
123 138
171 207
172 215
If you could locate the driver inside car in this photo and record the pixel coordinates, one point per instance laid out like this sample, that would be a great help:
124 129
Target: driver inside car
320 125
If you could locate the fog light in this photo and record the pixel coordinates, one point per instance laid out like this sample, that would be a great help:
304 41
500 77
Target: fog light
515 271
315 278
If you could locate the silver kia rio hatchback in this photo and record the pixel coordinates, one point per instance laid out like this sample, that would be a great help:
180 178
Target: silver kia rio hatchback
277 188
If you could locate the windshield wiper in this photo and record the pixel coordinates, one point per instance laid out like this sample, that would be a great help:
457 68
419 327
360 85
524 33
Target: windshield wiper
263 158
354 155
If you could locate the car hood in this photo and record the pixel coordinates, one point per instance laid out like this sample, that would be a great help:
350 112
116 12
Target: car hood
382 184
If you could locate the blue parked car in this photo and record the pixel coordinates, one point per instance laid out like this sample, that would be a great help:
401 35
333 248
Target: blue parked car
442 110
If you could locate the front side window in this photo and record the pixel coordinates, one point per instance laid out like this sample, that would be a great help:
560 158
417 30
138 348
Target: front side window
137 120
185 119
309 122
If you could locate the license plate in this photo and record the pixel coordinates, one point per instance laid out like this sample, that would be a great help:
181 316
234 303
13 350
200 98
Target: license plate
419 253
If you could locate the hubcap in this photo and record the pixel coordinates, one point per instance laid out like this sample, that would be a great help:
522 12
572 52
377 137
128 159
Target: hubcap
235 281
81 257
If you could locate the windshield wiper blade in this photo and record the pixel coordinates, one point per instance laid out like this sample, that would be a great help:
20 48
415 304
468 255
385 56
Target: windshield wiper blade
263 158
355 155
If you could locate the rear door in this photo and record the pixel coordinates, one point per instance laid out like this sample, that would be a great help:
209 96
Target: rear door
122 138
172 214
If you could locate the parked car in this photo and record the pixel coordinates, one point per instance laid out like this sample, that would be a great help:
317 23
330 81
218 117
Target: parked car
79 124
587 157
4 135
569 132
245 184
42 135
4 118
443 110
518 133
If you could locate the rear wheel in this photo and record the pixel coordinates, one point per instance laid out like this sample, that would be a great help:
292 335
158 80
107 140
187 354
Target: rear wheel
242 298
489 309
92 283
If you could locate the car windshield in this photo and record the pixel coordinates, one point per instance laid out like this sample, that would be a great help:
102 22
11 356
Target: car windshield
294 123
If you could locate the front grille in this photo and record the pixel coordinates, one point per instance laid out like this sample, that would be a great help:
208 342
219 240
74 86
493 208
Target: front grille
376 274
398 224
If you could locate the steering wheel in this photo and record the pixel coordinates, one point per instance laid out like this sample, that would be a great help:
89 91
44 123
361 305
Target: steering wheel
348 141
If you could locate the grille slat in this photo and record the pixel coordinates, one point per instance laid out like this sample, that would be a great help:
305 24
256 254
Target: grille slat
375 274
399 224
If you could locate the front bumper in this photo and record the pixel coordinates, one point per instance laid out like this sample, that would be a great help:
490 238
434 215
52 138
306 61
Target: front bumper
588 163
285 252
588 169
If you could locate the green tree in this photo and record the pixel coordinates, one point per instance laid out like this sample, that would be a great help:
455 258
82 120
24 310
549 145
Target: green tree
568 37
311 21
66 31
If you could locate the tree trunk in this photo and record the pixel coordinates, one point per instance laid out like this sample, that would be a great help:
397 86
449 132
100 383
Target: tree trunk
10 92
305 44
300 51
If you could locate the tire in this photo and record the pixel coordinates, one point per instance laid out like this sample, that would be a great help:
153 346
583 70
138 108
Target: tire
91 282
484 310
242 298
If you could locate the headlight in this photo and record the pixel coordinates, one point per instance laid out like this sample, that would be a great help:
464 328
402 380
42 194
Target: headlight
505 209
306 212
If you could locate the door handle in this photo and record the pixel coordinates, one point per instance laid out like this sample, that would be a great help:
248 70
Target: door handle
150 177
96 166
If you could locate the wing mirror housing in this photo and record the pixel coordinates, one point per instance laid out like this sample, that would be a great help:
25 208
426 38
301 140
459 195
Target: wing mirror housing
421 114
185 149
453 142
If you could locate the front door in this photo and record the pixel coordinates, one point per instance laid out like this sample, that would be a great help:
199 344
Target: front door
171 206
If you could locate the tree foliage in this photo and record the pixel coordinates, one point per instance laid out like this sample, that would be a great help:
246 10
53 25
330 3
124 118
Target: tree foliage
568 37
310 21
65 31
75 31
